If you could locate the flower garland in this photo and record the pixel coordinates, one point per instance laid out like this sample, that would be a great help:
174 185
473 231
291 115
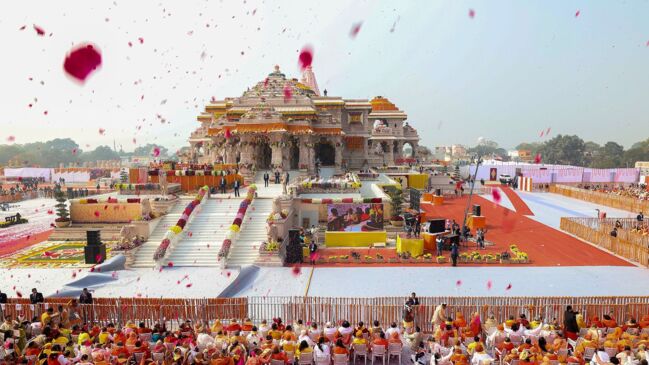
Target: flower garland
236 223
173 233
110 200
341 200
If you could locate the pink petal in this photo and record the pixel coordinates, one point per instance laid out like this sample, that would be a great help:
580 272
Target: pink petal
458 283
102 131
537 158
489 285
356 27
508 286
82 61
495 194
577 13
306 57
189 285
288 93
471 13
11 139
297 271
141 40
96 213
156 151
170 264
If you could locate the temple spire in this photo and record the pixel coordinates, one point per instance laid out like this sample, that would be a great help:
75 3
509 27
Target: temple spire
308 79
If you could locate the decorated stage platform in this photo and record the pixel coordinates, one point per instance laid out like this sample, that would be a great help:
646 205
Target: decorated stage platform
355 239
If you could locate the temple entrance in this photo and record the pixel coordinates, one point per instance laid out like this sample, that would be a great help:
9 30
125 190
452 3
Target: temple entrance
326 153
294 155
264 156
408 151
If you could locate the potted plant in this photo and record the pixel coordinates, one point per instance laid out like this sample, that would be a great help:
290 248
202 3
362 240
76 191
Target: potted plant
61 206
505 258
464 257
397 200
441 259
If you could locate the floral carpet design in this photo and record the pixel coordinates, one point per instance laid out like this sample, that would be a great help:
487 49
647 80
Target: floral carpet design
51 255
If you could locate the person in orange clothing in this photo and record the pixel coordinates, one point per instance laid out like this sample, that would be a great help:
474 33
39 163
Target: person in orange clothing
609 321
139 347
615 335
233 326
119 336
142 328
339 348
247 325
32 349
506 346
475 326
279 355
525 345
510 321
289 335
381 341
586 343
644 322
132 339
596 322
218 358
458 358
394 338
459 321
120 351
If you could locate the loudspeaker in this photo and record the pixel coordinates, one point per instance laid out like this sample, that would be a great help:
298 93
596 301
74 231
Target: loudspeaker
93 238
438 192
436 225
293 248
476 210
94 252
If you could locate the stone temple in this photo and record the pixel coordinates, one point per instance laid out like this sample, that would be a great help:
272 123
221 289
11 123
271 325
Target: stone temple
283 123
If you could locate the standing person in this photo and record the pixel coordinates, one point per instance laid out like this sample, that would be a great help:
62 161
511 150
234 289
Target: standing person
439 241
3 297
455 252
287 177
35 297
276 176
222 184
439 316
266 178
313 248
480 238
570 327
640 217
614 232
85 297
236 187
417 226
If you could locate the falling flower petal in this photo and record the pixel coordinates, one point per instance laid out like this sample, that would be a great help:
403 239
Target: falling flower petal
537 158
266 79
39 30
141 40
19 294
495 194
489 285
96 213
577 13
458 283
508 286
356 27
156 151
74 274
11 139
306 57
189 285
102 131
471 13
296 271
288 93
170 264
82 61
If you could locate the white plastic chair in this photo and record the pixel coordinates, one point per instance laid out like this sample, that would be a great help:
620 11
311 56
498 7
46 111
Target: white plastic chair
589 352
138 357
611 351
145 337
276 362
394 349
322 360
378 351
341 359
305 358
360 350
291 356
158 356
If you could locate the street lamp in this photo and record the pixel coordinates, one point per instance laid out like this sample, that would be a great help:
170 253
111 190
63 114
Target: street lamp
478 160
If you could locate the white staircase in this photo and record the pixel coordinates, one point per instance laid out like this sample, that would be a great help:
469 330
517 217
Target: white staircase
245 249
144 255
207 228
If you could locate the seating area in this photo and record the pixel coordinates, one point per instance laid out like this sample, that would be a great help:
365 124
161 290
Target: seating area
61 337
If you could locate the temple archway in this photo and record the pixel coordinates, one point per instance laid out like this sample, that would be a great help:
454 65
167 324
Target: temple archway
408 150
325 153
264 156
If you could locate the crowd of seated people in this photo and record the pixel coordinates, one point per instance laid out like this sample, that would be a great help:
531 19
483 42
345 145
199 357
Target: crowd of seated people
636 191
58 338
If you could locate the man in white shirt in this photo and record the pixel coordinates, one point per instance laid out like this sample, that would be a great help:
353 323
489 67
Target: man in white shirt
393 328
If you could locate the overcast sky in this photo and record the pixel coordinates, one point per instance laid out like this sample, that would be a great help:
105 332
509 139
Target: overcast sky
514 69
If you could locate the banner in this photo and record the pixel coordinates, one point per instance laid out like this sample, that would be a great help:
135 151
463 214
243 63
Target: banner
353 217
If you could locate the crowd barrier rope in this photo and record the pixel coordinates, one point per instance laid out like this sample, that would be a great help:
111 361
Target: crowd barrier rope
591 230
326 309
610 200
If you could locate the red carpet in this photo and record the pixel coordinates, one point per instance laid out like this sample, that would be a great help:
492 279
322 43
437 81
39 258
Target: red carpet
14 245
517 202
544 245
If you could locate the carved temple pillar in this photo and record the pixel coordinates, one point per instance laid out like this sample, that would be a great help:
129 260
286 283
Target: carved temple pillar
277 157
247 151
337 143
304 153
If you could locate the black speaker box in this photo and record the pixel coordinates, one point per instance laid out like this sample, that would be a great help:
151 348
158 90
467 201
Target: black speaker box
438 192
93 238
477 210
436 225
94 252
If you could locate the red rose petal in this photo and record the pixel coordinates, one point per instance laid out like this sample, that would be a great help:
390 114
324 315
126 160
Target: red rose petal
495 194
577 13
537 158
11 139
288 93
458 283
471 13
188 285
39 30
19 294
82 61
306 57
508 286
96 213
102 131
266 79
170 264
296 271
141 40
156 151
356 27
489 285
74 274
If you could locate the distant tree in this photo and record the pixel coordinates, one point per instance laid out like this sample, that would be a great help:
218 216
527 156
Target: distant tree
609 156
61 205
488 149
638 152
101 153
123 176
532 147
563 150
147 150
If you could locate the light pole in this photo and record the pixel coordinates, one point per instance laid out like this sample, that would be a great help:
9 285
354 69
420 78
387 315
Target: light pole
472 182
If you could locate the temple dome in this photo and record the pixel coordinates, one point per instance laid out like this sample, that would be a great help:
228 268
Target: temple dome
381 103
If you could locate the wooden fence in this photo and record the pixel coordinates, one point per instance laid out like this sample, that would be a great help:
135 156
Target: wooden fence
610 200
316 309
631 248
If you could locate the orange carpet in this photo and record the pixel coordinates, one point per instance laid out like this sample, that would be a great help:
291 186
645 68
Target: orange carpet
517 202
544 245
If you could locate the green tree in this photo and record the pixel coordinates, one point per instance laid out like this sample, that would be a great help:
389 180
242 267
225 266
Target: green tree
101 153
564 150
609 156
147 150
61 205
532 147
638 152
